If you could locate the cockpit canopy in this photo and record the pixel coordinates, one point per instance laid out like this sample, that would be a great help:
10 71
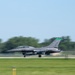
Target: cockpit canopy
25 47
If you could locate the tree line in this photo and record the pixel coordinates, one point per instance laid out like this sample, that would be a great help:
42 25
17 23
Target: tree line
65 44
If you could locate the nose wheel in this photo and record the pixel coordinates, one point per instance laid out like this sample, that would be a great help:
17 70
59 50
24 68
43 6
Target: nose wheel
24 54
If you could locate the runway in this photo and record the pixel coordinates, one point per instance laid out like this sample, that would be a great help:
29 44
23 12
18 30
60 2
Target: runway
35 57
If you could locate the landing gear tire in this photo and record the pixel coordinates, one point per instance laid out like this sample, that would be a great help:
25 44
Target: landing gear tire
39 55
24 54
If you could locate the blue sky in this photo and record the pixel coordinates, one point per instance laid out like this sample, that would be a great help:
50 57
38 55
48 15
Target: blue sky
42 19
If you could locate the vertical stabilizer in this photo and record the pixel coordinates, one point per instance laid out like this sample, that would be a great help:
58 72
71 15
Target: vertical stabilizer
55 43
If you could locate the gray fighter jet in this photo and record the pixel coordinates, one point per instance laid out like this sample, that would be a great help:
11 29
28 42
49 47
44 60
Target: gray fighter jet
52 48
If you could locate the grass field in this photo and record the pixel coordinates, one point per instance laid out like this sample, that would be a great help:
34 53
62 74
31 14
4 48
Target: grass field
38 66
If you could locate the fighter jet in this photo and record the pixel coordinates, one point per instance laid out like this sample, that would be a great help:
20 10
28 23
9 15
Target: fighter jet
52 48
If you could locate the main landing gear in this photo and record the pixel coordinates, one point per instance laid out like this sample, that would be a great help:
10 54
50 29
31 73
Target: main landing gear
39 55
